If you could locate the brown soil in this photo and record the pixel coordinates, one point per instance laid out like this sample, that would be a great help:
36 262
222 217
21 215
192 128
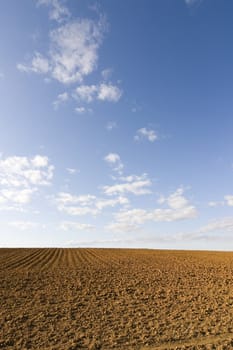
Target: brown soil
115 299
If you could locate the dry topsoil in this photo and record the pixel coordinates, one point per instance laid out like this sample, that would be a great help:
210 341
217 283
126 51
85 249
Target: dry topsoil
115 299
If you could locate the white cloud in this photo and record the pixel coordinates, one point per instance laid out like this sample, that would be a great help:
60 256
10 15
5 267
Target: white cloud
114 160
168 215
132 178
16 196
133 216
229 200
109 92
58 12
20 178
222 226
86 204
103 203
86 93
22 171
145 133
65 198
39 64
225 224
178 209
100 242
75 226
73 52
135 187
102 92
79 211
140 216
40 161
213 204
176 200
61 98
82 110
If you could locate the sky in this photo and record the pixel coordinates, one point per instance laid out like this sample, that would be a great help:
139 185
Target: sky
116 122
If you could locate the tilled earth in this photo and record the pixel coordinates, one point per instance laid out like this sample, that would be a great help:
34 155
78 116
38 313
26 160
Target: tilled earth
115 299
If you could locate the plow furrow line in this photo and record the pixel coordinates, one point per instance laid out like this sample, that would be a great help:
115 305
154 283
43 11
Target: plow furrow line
81 255
37 262
11 257
22 261
96 258
71 258
51 259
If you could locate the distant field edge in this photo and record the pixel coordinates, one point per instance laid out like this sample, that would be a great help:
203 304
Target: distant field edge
122 249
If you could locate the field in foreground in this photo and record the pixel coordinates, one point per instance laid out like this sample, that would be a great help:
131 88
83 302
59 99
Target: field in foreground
71 299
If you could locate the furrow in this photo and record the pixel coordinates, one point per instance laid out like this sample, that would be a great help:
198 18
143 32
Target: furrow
70 257
50 259
14 255
22 261
77 259
37 263
81 257
96 258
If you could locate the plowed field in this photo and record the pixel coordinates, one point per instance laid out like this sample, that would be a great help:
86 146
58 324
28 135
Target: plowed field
115 299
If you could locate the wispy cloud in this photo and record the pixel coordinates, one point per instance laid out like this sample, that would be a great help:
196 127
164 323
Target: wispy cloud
83 110
75 226
73 52
147 134
65 198
223 227
109 92
20 178
178 208
136 187
72 55
229 200
58 11
39 64
61 98
101 92
23 172
86 204
16 196
225 224
114 160
215 204
103 203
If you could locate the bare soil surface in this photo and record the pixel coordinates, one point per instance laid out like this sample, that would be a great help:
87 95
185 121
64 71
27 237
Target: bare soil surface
115 299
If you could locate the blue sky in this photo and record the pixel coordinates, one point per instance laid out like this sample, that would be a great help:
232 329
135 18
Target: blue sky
116 123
